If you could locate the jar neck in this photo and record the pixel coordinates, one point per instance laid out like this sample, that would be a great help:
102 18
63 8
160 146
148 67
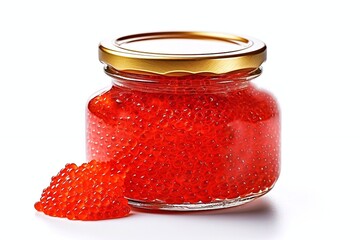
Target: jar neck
184 84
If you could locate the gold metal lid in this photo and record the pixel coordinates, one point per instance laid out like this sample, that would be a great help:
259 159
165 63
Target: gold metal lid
183 52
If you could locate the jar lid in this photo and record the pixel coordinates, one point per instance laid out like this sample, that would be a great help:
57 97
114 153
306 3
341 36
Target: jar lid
183 52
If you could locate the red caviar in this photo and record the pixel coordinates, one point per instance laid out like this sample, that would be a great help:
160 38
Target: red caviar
91 191
187 139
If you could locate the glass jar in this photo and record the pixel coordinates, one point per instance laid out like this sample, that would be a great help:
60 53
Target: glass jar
184 122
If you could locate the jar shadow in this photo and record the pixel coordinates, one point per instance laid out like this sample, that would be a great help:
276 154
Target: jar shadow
254 220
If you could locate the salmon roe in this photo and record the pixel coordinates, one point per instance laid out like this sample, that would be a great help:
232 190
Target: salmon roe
188 139
91 191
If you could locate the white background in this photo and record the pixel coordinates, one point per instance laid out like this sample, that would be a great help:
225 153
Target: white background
49 68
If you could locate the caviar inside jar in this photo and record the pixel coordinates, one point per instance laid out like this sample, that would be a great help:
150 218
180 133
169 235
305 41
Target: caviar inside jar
189 139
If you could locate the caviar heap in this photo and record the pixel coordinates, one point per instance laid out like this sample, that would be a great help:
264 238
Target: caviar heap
91 191
187 139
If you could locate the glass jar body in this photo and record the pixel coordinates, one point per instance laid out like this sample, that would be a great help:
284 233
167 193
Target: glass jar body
187 143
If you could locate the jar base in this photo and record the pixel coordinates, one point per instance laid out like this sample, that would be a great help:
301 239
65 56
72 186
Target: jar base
221 204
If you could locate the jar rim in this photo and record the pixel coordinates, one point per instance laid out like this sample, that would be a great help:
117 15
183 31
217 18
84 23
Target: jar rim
183 52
